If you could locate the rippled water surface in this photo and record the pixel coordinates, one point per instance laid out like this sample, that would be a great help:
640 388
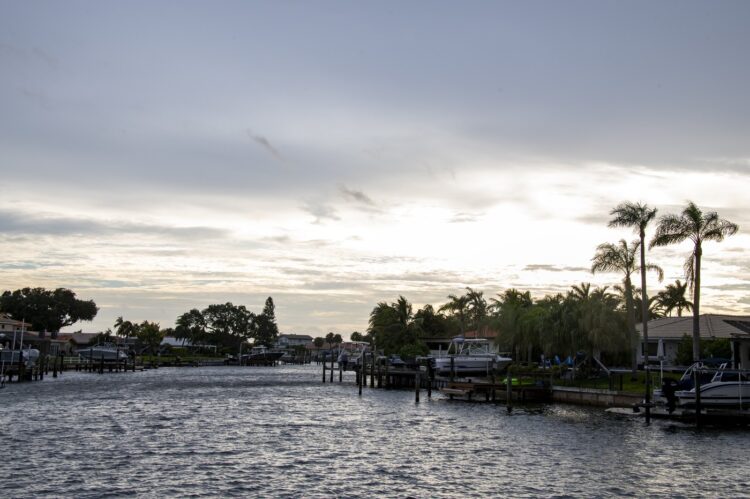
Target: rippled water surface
230 431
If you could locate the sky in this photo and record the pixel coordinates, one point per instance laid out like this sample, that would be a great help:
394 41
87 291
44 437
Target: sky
159 156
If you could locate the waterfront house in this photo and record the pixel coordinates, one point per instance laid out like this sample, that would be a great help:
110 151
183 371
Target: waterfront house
671 330
291 340
8 325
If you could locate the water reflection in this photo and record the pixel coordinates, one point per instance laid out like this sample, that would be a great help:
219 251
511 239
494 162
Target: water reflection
280 432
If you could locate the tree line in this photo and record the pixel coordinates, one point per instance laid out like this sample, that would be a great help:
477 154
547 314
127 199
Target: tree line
224 326
600 321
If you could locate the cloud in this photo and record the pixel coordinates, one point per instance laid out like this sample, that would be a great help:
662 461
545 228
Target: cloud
264 142
357 196
44 224
463 217
321 212
534 267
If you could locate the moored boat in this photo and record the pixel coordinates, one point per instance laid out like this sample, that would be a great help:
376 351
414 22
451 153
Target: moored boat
108 352
28 356
261 355
719 388
466 356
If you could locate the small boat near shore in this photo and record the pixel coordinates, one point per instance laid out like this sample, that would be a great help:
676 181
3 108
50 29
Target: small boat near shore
470 356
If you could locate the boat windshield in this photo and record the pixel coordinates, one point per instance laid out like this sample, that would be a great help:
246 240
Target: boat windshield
469 347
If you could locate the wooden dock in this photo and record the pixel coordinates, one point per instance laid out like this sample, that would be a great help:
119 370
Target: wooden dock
524 387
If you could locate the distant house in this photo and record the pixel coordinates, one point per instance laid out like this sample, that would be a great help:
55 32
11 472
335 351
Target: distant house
671 330
292 340
8 325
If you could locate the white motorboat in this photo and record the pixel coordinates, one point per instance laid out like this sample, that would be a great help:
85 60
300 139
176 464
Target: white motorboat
719 388
28 356
470 356
109 352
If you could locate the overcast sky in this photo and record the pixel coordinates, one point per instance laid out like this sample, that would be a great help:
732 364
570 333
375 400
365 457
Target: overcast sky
161 156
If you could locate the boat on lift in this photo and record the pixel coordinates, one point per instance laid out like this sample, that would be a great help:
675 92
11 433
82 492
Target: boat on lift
719 388
108 352
467 356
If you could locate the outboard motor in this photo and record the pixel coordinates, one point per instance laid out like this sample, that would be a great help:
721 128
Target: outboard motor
668 388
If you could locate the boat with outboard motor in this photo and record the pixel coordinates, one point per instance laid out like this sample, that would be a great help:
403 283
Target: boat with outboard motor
108 352
719 388
470 356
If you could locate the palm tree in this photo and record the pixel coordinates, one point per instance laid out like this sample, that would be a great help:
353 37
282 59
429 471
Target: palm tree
393 326
124 328
637 216
477 307
697 226
673 297
458 306
512 331
621 258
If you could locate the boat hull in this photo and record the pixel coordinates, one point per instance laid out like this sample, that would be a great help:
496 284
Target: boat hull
463 365
728 394
106 354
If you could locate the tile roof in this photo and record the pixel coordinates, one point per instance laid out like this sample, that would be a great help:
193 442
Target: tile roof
711 326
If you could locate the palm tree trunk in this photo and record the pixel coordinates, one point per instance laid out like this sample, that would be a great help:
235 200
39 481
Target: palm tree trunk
697 303
631 325
644 298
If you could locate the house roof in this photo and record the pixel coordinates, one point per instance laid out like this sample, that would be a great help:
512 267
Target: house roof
78 338
711 326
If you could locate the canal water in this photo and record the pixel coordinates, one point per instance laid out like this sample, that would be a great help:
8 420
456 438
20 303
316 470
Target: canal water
279 432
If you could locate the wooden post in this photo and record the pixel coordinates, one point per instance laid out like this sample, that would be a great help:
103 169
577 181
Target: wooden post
101 363
509 391
331 366
341 372
416 387
453 367
380 374
697 383
372 371
360 372
492 388
430 377
387 377
324 371
54 366
648 392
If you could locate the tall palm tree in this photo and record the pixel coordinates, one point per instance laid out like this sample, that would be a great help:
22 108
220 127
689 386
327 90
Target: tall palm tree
621 258
673 297
697 226
637 216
